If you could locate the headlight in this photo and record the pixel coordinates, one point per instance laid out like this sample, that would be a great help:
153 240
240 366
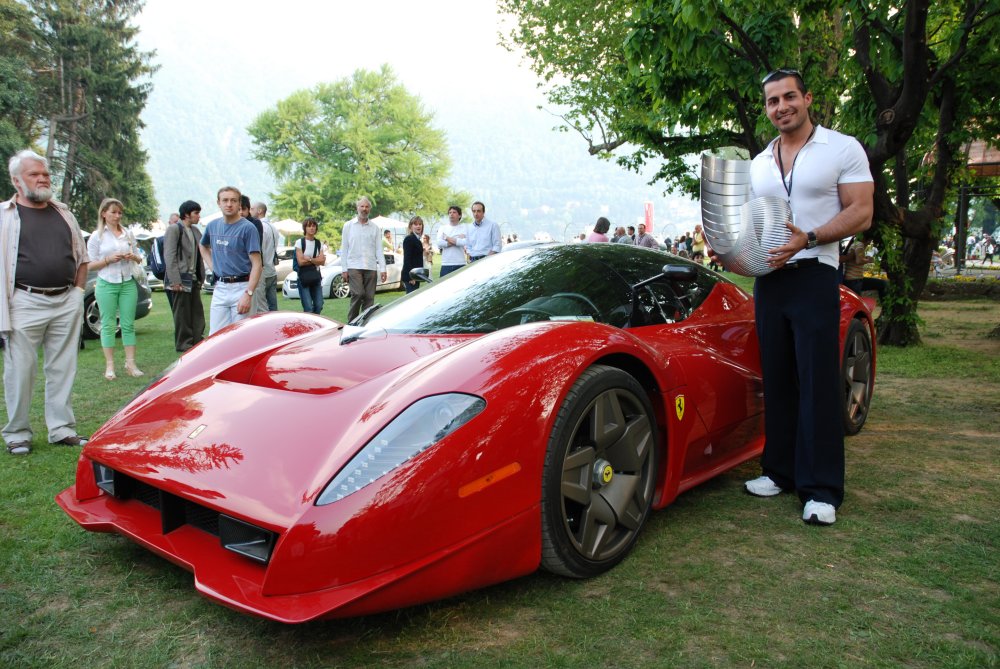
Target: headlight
420 426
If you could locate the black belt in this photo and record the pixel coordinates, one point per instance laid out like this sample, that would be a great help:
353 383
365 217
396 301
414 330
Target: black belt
475 258
43 291
234 279
798 264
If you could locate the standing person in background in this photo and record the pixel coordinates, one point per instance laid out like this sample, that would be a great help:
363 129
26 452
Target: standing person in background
483 235
43 271
645 240
631 233
600 231
230 248
797 305
269 258
361 255
310 258
428 251
698 245
621 237
112 253
413 252
185 276
452 239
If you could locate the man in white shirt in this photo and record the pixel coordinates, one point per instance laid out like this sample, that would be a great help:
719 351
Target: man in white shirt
827 182
269 275
452 239
484 235
361 255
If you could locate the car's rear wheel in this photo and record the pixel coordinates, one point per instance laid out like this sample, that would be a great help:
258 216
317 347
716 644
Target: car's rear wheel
339 288
600 474
857 374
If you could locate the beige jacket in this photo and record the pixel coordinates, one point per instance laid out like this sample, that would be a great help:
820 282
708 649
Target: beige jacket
10 236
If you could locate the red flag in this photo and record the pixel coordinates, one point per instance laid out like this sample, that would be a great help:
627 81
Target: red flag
649 217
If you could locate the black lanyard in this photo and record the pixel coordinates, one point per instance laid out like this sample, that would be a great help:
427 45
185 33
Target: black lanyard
791 175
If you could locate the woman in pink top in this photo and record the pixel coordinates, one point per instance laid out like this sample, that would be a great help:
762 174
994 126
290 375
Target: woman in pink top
600 231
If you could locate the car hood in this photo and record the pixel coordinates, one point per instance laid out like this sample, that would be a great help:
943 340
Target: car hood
283 422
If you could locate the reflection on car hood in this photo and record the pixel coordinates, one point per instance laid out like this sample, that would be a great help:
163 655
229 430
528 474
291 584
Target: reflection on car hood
221 439
320 365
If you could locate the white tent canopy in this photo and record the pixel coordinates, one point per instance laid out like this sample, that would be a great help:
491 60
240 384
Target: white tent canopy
288 227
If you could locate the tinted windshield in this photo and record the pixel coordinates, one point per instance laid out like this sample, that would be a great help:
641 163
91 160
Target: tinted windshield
589 282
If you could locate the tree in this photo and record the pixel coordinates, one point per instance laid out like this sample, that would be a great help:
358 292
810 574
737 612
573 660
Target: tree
19 125
665 80
93 86
363 135
71 77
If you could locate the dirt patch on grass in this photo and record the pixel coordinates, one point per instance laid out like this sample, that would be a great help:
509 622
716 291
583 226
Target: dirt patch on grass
964 325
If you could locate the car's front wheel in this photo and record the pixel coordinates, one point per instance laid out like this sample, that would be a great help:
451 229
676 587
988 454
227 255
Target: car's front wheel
600 474
857 374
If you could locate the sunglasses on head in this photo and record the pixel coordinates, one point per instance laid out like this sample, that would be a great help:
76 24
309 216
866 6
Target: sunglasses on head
782 73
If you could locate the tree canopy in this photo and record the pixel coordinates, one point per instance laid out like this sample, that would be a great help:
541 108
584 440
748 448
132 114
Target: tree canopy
73 84
665 80
362 135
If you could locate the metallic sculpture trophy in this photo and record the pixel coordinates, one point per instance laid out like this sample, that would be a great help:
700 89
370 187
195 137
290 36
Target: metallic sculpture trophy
740 230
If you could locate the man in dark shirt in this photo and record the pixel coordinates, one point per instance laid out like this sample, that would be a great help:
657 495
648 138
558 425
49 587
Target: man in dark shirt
43 271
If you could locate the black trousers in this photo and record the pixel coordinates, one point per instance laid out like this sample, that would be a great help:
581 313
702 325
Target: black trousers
189 318
797 314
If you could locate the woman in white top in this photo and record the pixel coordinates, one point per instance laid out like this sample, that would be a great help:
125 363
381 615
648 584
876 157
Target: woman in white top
113 254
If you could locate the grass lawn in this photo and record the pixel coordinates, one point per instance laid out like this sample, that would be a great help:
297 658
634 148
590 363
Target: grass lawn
908 577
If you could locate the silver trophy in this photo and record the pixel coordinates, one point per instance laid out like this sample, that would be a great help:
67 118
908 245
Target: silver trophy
740 229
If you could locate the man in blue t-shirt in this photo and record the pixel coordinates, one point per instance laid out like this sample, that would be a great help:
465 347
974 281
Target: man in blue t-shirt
230 248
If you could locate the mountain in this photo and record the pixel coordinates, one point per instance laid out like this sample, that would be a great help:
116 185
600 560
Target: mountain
504 150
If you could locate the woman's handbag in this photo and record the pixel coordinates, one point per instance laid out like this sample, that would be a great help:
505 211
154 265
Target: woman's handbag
138 271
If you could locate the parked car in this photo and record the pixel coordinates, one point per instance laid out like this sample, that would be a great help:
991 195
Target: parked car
92 313
334 285
154 282
527 411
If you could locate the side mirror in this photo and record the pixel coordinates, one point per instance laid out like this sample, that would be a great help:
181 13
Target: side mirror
421 275
679 273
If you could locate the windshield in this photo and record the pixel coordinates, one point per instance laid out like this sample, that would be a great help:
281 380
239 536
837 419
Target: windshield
563 283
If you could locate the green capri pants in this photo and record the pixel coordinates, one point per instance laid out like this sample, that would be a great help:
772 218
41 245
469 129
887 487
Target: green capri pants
114 299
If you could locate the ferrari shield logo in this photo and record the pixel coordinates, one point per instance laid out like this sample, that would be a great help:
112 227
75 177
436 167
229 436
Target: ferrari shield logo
679 406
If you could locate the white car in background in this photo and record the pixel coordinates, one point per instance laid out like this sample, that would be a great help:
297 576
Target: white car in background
334 285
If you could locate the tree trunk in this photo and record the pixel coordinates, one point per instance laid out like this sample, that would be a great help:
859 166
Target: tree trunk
897 326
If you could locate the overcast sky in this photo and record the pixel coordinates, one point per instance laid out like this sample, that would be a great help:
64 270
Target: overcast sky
437 49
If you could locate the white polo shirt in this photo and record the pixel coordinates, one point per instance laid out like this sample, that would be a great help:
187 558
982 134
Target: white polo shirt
826 161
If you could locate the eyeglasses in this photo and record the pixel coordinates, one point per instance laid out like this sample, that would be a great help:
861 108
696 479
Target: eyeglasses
782 72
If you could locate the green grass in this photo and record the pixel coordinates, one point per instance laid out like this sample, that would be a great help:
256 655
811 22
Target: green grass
908 577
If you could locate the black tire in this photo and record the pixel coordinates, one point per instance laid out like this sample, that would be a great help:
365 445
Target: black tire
599 476
91 328
857 376
339 288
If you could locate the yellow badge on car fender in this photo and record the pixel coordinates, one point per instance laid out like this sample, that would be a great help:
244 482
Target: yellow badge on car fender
607 473
679 406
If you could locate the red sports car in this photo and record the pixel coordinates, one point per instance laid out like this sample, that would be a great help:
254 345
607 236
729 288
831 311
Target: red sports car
527 411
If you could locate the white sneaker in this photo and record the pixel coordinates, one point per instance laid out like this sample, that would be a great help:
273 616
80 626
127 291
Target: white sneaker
762 487
819 513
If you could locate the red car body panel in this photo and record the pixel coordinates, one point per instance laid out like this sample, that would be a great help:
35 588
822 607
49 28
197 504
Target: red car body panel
258 437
